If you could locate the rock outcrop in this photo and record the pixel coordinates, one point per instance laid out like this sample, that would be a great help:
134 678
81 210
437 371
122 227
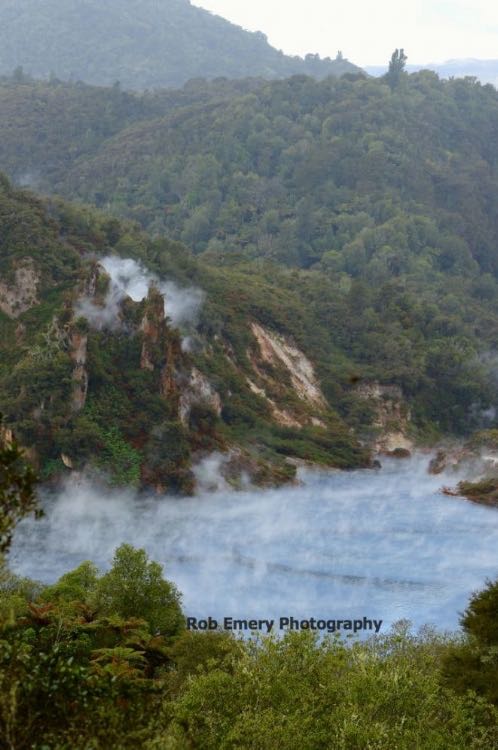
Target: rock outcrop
152 328
78 352
391 419
198 390
282 369
22 295
161 347
6 436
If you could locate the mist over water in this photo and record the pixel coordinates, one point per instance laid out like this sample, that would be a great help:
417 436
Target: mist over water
385 545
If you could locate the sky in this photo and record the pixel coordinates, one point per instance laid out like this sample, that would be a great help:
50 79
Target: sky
367 31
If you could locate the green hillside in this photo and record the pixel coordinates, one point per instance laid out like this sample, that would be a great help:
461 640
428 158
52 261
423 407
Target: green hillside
88 378
294 171
141 43
370 207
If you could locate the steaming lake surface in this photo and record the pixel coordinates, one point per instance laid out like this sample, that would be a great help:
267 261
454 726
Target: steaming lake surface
385 545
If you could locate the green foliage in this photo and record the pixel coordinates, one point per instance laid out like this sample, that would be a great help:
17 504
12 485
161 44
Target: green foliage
119 458
295 171
296 693
135 588
388 231
484 491
316 445
472 664
168 453
484 439
397 66
77 586
326 212
75 670
85 663
480 619
15 594
17 490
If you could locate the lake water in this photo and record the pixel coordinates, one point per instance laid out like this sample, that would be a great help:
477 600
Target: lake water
384 545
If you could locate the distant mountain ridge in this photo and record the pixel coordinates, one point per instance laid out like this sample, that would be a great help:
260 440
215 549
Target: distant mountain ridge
141 43
485 70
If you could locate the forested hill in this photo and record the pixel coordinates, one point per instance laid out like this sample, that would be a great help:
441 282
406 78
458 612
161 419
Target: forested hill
144 385
336 173
141 43
354 217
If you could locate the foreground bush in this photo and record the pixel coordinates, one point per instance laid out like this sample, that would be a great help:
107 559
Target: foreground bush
96 662
472 663
300 694
81 661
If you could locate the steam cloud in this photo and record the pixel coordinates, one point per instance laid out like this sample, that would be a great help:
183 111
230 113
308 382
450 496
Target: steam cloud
104 317
29 179
129 278
208 473
342 545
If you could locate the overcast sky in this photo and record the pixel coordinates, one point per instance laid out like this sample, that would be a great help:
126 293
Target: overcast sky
367 31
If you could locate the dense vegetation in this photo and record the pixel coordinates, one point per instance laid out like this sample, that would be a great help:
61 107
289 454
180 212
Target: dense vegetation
141 43
111 657
294 170
485 71
109 654
17 489
368 203
125 424
355 221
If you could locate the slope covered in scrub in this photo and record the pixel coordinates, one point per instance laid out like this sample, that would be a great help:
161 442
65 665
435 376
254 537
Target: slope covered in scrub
122 353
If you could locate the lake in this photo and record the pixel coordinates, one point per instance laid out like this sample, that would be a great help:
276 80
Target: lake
345 545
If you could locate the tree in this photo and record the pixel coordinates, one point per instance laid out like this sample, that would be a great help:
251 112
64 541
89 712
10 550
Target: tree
473 663
135 588
396 67
481 616
17 489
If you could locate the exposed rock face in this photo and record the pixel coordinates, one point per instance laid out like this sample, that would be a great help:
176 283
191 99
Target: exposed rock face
6 436
152 328
237 468
90 289
475 460
281 416
169 372
392 418
67 461
276 351
20 332
448 458
198 390
161 347
78 352
23 294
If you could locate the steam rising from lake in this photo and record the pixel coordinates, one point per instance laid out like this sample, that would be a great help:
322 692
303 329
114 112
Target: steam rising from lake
382 544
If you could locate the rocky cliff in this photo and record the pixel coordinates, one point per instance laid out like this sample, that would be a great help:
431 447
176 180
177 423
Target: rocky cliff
391 419
143 375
